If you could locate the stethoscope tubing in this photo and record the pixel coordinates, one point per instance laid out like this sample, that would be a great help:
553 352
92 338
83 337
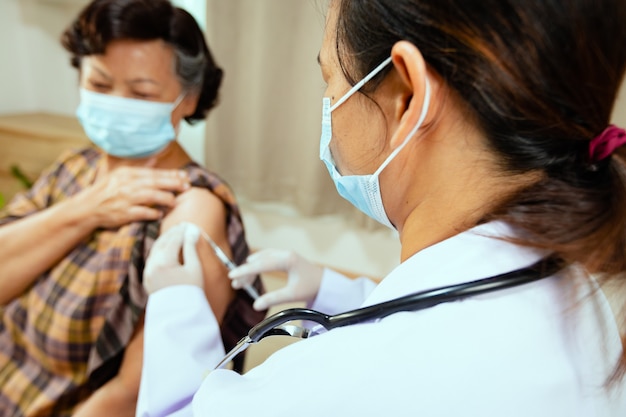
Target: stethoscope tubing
412 302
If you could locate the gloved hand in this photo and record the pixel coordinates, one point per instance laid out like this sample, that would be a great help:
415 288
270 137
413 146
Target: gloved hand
303 281
163 267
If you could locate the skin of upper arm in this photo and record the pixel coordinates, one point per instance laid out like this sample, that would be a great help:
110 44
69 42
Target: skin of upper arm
207 211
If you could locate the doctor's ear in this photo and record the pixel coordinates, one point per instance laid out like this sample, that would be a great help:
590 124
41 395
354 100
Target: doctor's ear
411 69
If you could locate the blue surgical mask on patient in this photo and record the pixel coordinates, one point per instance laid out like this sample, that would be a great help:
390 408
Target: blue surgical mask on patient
126 127
363 191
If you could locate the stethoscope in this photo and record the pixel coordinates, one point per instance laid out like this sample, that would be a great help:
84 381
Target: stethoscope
277 324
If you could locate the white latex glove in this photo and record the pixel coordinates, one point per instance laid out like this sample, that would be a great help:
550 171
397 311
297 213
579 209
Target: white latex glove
163 267
303 277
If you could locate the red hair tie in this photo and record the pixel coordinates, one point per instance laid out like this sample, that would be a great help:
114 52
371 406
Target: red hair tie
603 145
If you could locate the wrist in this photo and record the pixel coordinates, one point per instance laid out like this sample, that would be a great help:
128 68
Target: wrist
83 214
73 218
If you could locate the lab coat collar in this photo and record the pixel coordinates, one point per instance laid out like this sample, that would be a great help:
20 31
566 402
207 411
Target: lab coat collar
477 253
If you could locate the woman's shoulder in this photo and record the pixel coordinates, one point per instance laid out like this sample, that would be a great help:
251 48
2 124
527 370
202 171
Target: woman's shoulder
76 159
66 175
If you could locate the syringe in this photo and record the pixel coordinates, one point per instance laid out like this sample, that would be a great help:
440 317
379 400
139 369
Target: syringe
230 265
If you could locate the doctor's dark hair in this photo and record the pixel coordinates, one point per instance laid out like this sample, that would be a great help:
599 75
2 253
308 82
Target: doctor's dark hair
104 21
540 78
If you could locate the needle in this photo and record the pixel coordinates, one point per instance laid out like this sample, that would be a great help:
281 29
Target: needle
230 265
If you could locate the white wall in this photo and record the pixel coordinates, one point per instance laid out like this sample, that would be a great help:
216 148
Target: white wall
35 70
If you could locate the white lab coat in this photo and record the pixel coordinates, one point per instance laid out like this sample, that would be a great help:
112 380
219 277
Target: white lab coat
542 349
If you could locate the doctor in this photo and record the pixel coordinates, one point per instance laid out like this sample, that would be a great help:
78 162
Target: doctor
485 141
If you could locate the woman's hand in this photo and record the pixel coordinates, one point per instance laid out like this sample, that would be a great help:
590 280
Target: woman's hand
130 194
164 267
303 282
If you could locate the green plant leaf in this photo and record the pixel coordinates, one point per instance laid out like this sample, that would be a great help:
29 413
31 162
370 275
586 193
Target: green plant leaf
21 177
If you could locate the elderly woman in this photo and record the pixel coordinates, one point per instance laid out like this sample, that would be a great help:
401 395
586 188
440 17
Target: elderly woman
75 244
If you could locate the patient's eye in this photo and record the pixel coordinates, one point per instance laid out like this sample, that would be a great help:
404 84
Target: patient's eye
145 88
99 85
141 96
144 95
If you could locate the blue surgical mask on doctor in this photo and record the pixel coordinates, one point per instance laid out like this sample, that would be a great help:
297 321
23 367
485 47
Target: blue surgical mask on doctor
363 191
126 127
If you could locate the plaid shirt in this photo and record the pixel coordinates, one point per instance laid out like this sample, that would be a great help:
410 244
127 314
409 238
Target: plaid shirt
64 337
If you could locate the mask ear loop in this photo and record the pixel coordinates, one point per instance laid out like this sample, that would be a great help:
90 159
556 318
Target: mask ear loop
361 83
423 114
412 132
179 100
176 103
